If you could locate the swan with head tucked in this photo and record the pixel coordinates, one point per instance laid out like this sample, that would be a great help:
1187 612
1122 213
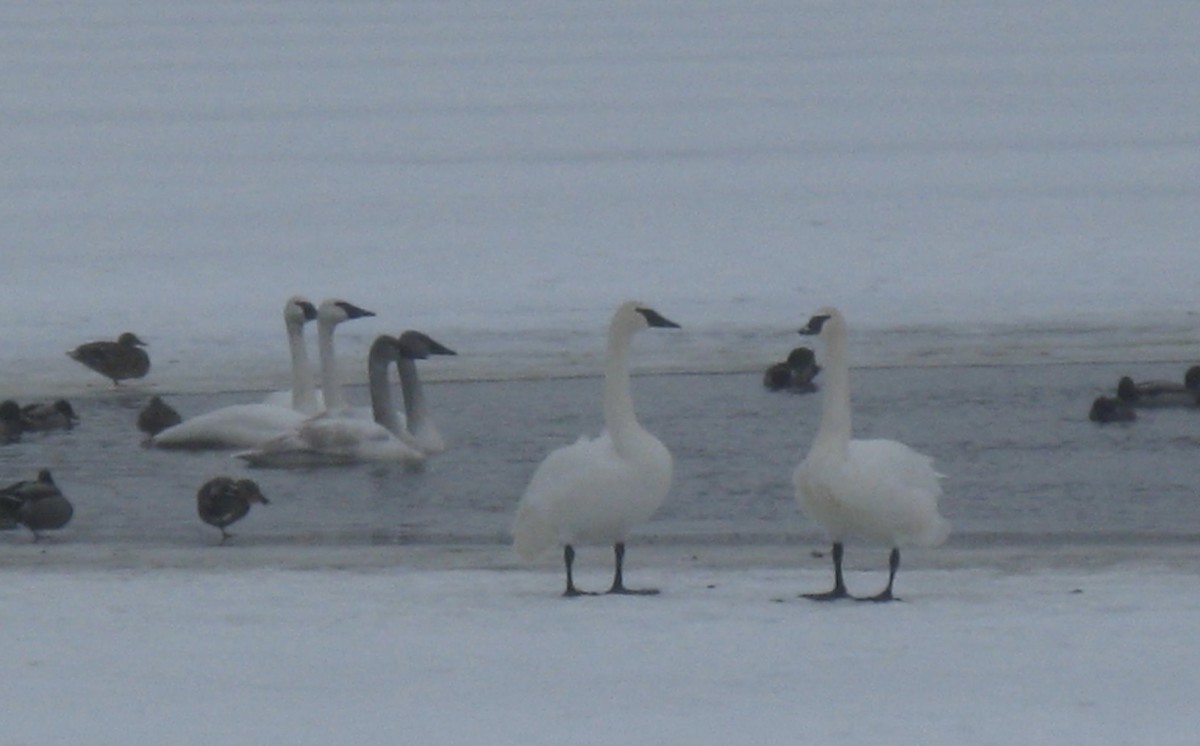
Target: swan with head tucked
304 396
252 425
333 438
879 490
597 490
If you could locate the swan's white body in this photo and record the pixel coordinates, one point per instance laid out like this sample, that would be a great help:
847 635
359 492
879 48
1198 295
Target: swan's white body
879 490
252 425
597 490
343 438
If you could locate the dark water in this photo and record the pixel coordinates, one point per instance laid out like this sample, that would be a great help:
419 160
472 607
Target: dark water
1024 464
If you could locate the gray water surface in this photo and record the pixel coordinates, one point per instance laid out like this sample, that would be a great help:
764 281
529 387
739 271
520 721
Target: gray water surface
1024 465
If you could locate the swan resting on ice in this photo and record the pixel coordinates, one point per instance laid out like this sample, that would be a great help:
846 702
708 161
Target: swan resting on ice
597 490
879 490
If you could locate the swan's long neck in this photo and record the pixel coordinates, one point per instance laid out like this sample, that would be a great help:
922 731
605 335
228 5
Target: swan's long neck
304 392
619 418
834 430
382 407
331 389
415 411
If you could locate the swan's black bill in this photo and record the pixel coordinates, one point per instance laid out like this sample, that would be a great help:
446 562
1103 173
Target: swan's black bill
654 318
418 345
353 311
814 325
308 309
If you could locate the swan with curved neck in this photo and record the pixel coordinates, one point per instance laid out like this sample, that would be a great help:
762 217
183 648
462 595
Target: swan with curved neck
252 425
334 438
596 491
880 490
418 427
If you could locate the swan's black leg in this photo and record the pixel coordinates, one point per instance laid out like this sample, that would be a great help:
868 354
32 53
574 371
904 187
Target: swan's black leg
893 566
569 561
618 584
839 584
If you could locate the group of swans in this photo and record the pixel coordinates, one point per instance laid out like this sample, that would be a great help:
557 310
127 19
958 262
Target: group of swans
597 490
310 426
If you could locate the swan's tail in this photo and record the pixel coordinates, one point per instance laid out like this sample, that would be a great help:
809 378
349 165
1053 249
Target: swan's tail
532 533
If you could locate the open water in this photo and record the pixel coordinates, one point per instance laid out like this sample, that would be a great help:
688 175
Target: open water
1024 465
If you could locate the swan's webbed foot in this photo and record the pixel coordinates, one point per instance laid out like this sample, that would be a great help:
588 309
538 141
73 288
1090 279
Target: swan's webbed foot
838 592
621 590
882 597
573 592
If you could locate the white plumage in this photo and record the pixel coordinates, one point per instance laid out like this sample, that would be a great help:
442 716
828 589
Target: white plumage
252 425
342 437
879 490
597 490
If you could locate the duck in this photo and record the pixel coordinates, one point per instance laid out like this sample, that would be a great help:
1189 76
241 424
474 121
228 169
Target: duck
795 374
879 490
157 416
250 426
1107 409
597 490
35 504
11 423
342 438
118 361
44 416
303 396
222 501
1162 393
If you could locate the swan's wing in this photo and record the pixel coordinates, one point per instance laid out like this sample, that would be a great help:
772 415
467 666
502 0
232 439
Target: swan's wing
235 426
330 440
581 492
894 489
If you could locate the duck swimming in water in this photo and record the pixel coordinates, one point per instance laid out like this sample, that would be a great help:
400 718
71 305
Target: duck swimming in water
38 505
795 374
157 416
1107 409
1161 393
43 416
11 425
118 361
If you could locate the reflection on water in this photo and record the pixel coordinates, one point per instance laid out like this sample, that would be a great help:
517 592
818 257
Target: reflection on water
1024 464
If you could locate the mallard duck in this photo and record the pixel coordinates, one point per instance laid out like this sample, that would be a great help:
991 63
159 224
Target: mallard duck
1111 409
157 416
118 360
1161 393
222 501
11 425
38 505
42 416
794 374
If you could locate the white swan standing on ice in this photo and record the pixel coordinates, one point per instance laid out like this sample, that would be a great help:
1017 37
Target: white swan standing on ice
333 438
303 397
596 491
879 490
251 425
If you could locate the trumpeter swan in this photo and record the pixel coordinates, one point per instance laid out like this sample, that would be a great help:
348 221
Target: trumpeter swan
597 490
879 490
